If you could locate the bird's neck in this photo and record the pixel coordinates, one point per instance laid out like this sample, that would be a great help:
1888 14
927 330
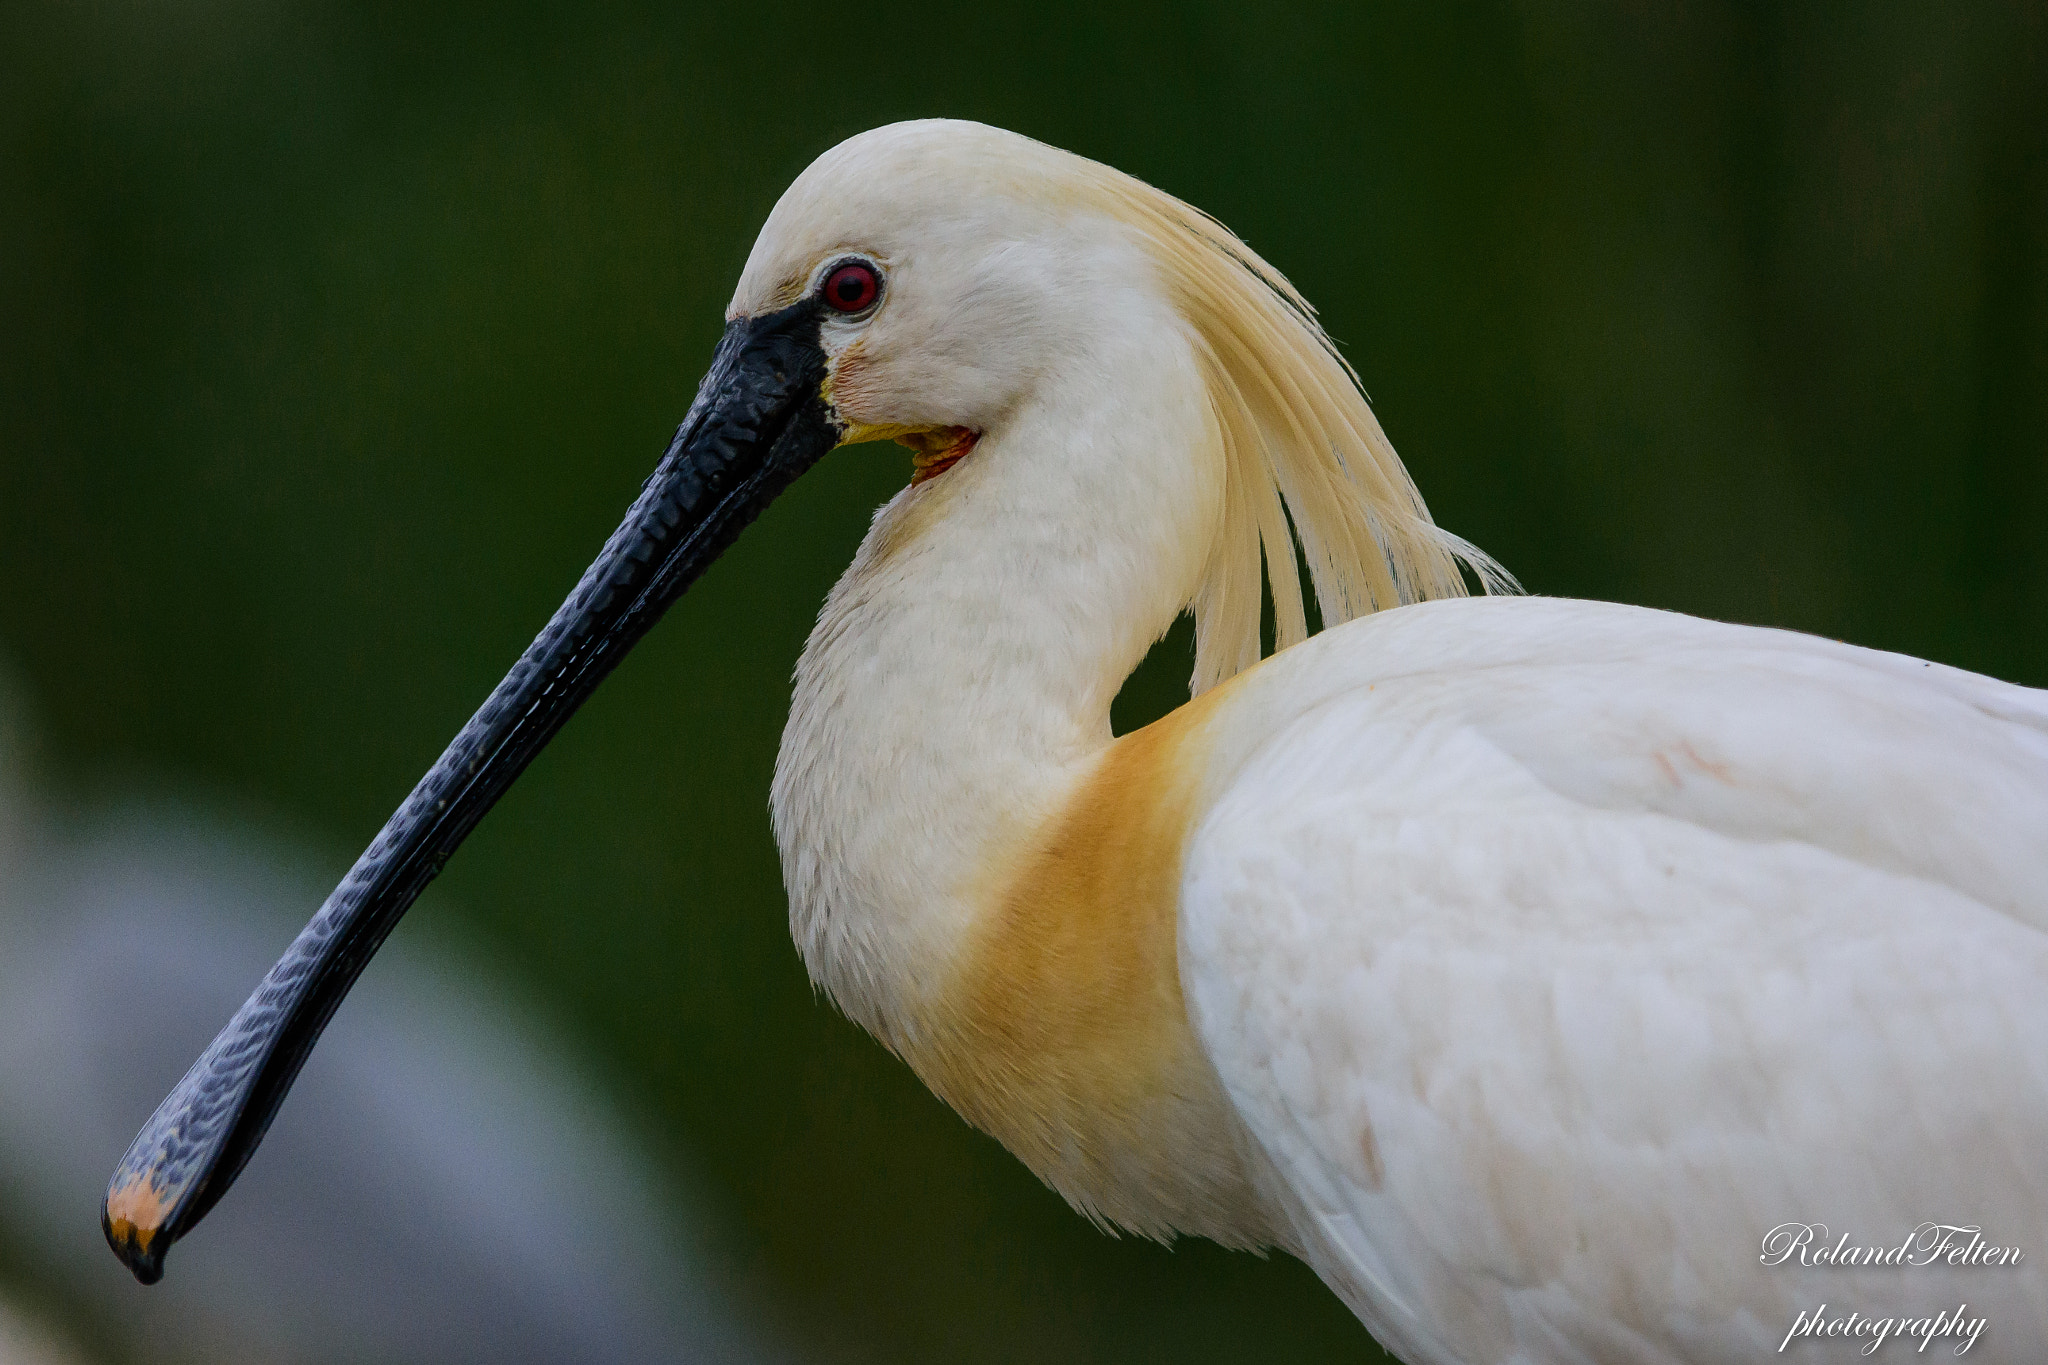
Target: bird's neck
960 676
978 871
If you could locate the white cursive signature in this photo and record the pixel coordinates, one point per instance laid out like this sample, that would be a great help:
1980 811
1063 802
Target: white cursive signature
1956 1244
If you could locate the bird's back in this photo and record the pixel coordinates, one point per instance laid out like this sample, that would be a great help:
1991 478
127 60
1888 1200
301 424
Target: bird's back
1556 952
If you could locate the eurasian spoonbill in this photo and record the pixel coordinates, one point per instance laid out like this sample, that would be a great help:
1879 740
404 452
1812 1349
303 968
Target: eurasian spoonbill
1526 966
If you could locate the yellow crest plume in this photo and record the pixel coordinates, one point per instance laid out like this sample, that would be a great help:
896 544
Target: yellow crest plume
1300 442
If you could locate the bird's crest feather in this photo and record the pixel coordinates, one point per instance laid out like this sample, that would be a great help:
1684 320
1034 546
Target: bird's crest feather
1300 445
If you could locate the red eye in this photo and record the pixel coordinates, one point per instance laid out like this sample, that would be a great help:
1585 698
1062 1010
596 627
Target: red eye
852 287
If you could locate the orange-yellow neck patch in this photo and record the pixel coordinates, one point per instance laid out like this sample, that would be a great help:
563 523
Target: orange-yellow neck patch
1064 1033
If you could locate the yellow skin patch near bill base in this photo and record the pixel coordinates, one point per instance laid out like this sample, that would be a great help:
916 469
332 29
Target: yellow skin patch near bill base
932 453
933 450
1064 1033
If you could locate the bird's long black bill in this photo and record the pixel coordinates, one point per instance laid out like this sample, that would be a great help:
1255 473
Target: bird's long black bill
759 420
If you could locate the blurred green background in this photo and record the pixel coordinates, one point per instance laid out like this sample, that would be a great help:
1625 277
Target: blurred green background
334 338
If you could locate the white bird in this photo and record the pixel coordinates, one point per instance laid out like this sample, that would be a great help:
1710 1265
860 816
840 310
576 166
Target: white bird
1544 973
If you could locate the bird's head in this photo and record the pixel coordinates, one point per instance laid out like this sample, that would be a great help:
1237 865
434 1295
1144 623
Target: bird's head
950 267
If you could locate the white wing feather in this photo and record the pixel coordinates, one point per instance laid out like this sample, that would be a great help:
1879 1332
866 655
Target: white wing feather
1554 952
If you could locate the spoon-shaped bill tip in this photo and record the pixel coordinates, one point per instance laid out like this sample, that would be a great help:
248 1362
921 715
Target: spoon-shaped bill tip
135 1218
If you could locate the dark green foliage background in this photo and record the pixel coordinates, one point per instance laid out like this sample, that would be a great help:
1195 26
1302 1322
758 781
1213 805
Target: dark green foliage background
334 338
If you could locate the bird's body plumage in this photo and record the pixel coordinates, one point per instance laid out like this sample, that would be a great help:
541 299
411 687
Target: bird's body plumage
1555 952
